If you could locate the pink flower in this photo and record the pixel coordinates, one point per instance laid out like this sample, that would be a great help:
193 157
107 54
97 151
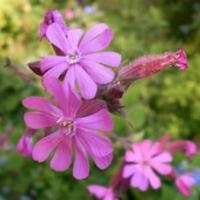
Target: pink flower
69 14
50 17
149 65
102 193
80 62
71 131
143 161
184 183
25 145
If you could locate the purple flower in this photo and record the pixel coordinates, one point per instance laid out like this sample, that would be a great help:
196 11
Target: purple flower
50 17
143 161
184 183
101 192
80 62
148 65
72 131
25 145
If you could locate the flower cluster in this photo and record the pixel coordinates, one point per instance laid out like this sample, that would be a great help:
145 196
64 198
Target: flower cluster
84 91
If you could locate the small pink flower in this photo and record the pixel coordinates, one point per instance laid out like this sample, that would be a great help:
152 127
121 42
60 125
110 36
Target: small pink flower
148 65
143 161
25 145
72 131
184 184
69 14
82 62
101 192
50 17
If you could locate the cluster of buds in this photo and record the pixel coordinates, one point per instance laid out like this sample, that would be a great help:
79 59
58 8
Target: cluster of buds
85 91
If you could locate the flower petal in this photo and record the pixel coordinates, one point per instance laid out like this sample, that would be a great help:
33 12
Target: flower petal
163 169
97 145
45 146
55 88
97 190
41 104
101 120
57 37
100 42
37 120
70 78
49 62
88 87
99 73
74 37
130 170
162 158
63 155
153 178
56 71
103 162
81 164
106 58
93 33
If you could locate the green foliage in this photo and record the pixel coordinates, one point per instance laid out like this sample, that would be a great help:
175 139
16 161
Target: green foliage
167 102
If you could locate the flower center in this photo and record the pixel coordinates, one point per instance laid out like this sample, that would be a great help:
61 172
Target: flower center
68 125
73 58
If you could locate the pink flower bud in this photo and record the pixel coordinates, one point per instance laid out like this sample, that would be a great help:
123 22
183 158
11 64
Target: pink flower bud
148 65
50 17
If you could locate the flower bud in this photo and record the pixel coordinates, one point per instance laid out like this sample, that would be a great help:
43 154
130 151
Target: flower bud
148 65
50 17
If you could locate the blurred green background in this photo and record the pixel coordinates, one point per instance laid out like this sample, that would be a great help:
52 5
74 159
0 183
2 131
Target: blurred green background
168 102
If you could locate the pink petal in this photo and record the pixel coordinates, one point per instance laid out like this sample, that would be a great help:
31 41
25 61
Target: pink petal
103 162
55 88
102 41
70 78
57 37
153 178
92 33
73 101
146 146
88 87
97 190
41 104
63 155
139 181
37 120
163 157
163 169
51 61
99 73
130 170
96 144
98 121
133 157
81 165
155 149
106 58
45 146
74 37
56 71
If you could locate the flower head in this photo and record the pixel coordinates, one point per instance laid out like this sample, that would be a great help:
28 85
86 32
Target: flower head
81 61
50 17
148 65
143 161
72 131
25 145
184 183
101 192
